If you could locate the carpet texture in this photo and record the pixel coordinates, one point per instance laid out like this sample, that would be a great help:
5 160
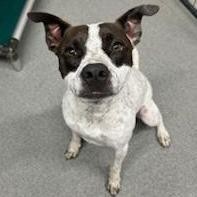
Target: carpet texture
33 135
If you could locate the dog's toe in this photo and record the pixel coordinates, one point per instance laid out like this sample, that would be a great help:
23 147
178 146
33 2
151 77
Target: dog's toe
164 139
70 154
113 187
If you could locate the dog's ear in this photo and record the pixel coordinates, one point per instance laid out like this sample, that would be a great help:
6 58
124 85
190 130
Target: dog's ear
54 27
131 21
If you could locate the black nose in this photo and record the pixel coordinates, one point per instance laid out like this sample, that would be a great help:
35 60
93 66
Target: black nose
95 72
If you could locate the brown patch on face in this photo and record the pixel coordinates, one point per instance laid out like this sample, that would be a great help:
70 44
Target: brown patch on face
72 49
116 44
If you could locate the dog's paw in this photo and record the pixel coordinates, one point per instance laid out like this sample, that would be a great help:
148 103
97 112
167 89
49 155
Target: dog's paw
164 139
71 154
113 187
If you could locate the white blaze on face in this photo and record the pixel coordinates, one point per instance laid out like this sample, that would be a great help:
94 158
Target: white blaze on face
94 42
94 51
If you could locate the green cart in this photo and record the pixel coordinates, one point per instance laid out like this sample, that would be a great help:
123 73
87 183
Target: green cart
13 17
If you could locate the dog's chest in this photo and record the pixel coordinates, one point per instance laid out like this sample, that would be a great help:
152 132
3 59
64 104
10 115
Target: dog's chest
101 125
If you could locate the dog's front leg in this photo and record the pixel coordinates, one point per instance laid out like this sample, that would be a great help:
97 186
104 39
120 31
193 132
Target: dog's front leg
73 147
115 170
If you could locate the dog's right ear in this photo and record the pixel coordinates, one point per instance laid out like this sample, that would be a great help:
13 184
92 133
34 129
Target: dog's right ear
54 27
131 21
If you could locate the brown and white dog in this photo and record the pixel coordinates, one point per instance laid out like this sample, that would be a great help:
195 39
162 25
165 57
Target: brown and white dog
105 90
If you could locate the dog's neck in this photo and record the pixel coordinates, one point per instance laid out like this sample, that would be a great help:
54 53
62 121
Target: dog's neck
96 105
95 108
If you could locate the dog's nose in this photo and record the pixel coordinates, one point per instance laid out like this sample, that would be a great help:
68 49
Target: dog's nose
95 72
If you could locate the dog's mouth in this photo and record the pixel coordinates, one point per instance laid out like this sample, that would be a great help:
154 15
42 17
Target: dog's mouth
95 94
96 91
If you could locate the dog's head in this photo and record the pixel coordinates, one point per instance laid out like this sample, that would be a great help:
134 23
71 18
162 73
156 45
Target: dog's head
94 59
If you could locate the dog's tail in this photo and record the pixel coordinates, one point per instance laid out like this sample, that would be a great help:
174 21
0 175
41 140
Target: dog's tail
135 56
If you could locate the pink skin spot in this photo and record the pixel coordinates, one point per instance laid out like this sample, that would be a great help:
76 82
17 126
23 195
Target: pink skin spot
55 32
130 27
143 111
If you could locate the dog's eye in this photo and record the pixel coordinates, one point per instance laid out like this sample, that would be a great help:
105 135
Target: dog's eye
70 51
117 46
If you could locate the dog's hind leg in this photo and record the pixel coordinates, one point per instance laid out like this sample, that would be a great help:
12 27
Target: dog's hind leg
73 147
115 170
150 115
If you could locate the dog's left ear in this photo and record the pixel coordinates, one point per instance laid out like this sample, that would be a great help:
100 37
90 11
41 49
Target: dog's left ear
54 27
131 21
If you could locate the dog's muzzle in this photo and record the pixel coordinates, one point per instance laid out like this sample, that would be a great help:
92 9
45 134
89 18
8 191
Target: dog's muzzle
96 81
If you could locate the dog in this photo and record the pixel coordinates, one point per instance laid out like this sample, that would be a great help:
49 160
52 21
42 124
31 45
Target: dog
105 90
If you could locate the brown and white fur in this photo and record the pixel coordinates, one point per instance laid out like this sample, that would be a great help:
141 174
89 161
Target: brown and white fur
105 90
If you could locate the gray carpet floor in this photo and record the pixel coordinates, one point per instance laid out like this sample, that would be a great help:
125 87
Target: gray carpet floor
33 135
